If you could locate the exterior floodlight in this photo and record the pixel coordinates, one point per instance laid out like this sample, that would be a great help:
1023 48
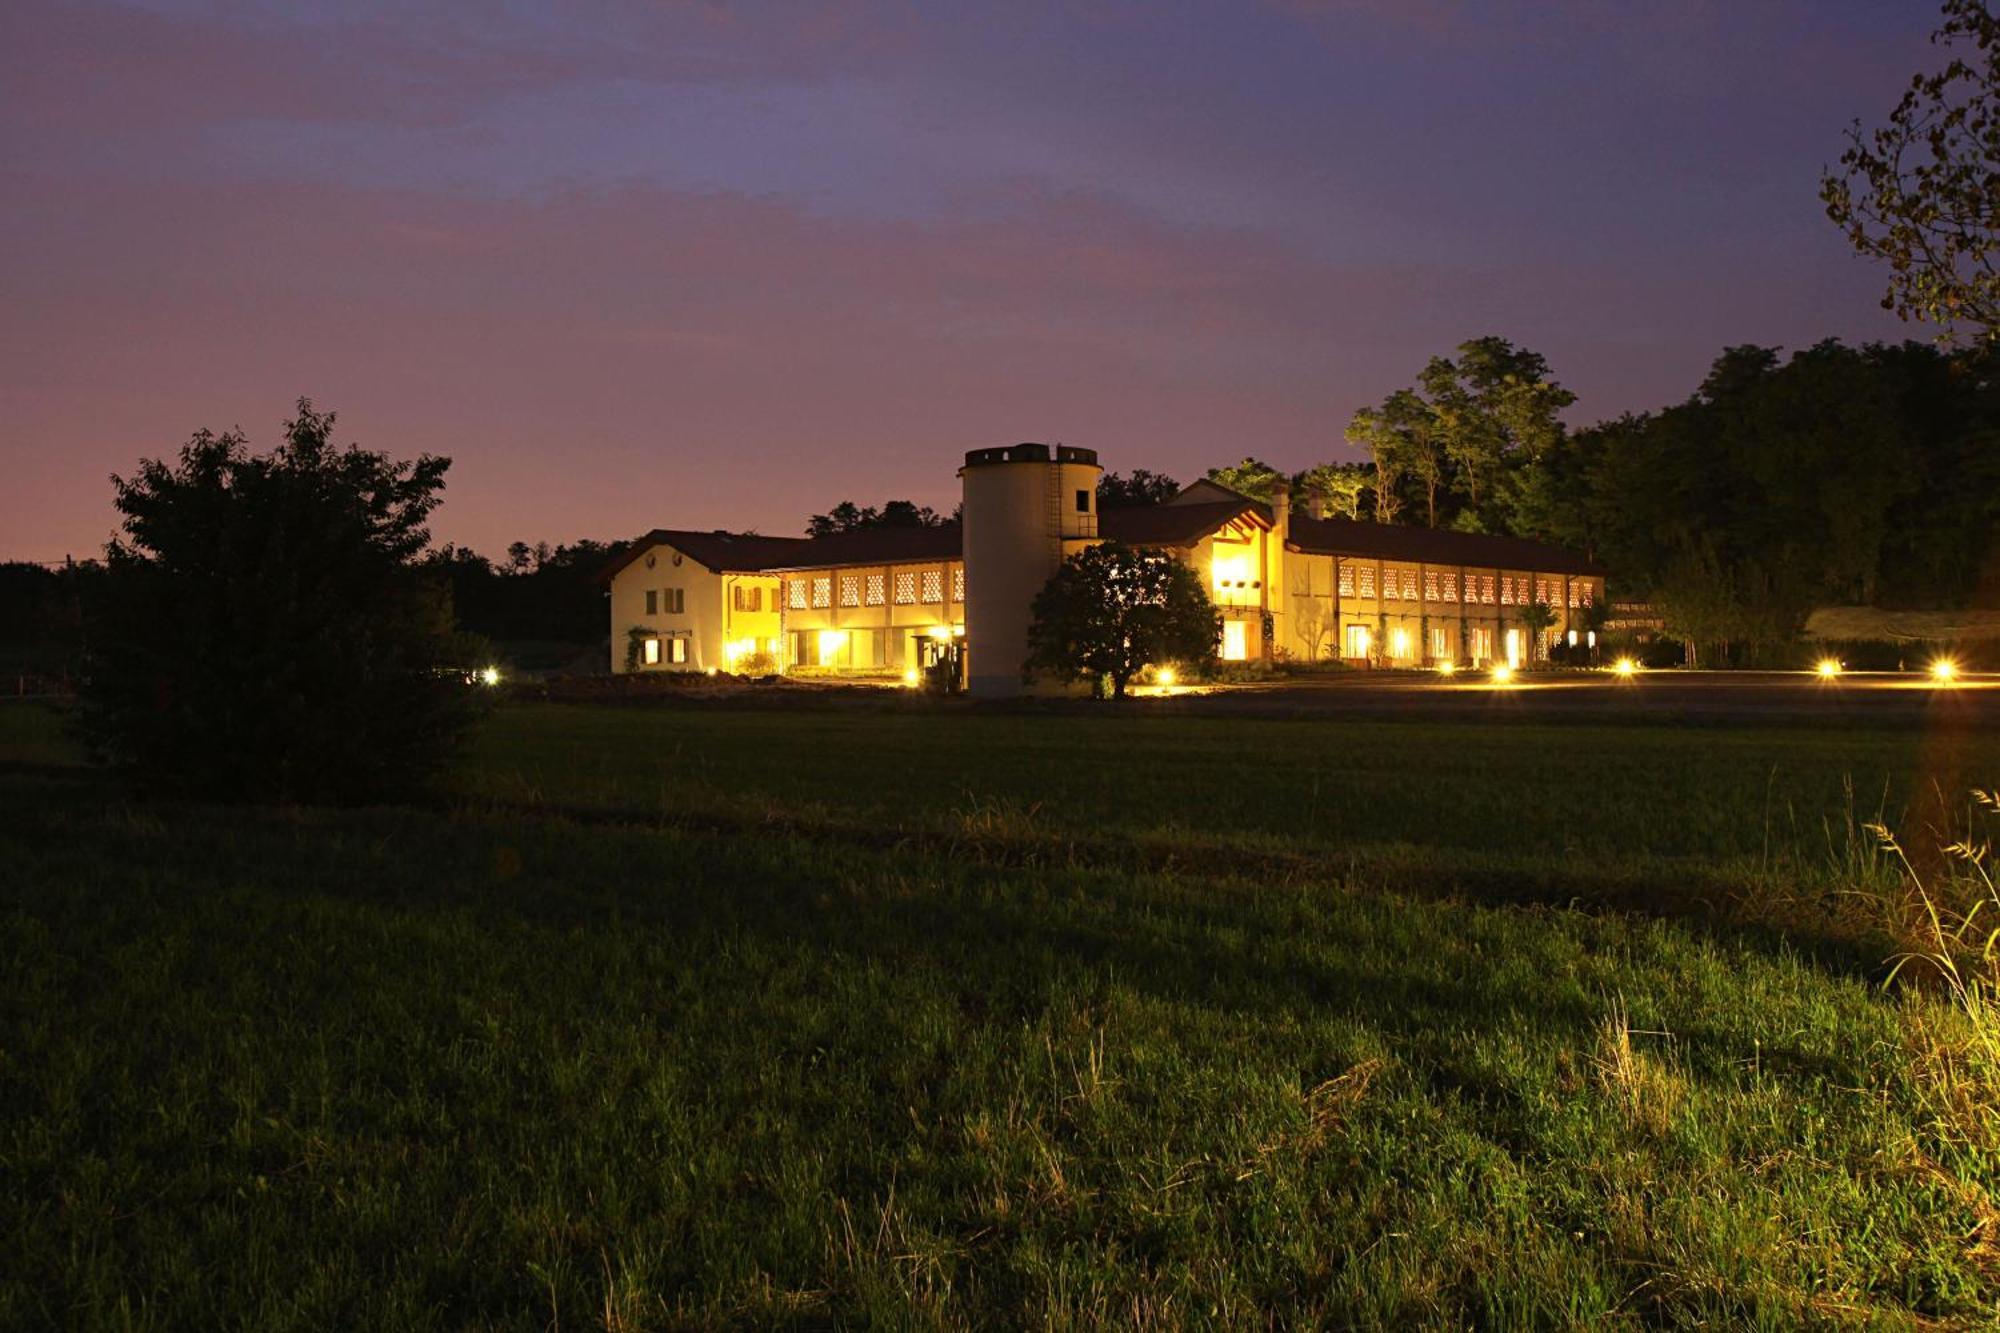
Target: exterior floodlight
1447 668
911 677
490 676
1502 673
1625 666
1944 671
1165 675
1828 668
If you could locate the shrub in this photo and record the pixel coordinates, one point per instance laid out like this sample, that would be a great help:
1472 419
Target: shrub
265 631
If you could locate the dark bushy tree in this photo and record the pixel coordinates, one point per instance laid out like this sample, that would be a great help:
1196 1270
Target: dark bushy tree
1139 487
850 517
265 629
1113 609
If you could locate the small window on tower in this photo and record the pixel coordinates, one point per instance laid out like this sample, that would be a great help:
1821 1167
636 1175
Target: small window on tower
1083 502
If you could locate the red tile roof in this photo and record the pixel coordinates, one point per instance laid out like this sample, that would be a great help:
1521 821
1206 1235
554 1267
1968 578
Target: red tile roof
1434 546
1172 525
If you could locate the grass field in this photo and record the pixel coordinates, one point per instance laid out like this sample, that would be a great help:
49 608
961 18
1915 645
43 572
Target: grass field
673 1017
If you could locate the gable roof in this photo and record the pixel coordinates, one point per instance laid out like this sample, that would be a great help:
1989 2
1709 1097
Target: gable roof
1176 523
875 546
721 552
748 553
1434 546
1207 491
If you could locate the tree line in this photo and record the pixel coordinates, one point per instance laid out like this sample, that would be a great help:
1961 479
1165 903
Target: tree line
1836 475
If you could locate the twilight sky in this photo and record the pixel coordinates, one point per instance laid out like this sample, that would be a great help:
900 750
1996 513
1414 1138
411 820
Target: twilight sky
698 263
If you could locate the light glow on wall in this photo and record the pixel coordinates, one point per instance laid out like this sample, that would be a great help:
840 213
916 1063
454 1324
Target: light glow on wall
1229 570
831 641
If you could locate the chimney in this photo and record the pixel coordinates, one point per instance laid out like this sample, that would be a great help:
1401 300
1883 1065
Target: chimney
1281 508
1316 502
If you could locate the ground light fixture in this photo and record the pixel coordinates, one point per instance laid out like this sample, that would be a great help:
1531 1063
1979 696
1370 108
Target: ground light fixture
1502 673
490 676
1944 671
1625 667
910 677
1828 668
1447 668
1164 676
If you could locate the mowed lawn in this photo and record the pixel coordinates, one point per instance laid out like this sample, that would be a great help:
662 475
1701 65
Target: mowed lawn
675 1017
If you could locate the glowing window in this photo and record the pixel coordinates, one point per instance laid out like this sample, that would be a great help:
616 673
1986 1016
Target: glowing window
677 649
1486 589
651 654
1586 594
1346 580
1506 590
1389 588
875 587
1410 585
850 590
906 589
823 591
1430 585
1367 577
958 584
934 585
795 594
1448 585
1235 640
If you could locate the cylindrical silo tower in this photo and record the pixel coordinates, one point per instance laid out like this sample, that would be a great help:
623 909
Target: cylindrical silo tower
1025 507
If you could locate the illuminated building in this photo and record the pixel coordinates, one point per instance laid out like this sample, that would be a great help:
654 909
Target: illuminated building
889 601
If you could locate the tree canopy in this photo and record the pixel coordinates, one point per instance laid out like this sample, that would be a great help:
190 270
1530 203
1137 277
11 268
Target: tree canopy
1112 609
265 629
1922 193
850 517
1450 446
1252 477
1838 476
1139 487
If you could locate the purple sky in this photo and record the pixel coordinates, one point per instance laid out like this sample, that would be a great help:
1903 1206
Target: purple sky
637 263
